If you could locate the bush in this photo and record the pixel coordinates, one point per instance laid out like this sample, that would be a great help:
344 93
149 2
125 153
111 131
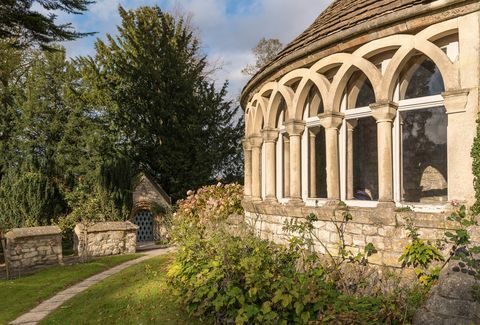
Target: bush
240 278
248 280
206 207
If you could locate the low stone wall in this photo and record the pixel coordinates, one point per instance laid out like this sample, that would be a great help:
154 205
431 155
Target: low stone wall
29 248
383 227
105 238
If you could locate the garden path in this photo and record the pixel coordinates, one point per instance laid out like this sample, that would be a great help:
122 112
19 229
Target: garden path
41 311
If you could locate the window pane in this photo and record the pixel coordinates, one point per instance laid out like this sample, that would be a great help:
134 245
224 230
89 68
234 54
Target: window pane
319 189
366 96
425 81
365 161
424 144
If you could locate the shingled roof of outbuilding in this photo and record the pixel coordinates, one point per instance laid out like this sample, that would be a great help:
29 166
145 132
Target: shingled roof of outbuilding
340 16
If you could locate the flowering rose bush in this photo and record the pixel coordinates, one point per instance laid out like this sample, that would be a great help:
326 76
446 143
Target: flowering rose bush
210 204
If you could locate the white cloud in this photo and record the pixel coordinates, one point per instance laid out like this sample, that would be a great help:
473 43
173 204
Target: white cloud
228 38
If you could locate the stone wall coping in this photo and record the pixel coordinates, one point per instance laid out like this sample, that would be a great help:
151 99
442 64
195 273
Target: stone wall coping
106 226
33 232
362 215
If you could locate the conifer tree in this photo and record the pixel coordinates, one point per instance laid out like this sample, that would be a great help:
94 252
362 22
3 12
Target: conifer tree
20 21
170 119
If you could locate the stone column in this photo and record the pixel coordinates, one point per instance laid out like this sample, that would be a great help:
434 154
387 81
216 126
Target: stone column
351 125
332 121
295 130
256 143
384 113
286 166
270 137
247 149
460 130
313 161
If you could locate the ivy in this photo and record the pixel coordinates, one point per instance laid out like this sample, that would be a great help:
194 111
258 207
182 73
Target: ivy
475 153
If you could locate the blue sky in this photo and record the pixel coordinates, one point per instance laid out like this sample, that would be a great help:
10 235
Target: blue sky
228 29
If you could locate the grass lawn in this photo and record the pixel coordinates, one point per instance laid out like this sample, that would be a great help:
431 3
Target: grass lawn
137 295
21 295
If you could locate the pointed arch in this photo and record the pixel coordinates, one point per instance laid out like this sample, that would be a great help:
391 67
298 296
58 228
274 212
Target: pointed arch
448 70
340 81
310 79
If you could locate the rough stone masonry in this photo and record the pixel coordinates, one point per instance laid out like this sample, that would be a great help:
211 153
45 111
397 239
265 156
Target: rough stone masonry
28 248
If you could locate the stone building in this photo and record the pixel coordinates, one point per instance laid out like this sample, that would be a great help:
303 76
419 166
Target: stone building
151 205
375 105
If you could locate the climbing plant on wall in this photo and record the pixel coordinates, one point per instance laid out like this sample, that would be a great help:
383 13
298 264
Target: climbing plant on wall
476 170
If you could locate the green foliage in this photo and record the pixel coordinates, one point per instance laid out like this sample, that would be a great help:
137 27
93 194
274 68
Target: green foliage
475 153
421 255
265 51
462 248
206 207
27 198
55 144
242 279
302 231
29 25
248 280
169 118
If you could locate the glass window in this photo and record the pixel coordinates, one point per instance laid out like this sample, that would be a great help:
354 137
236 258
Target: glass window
366 96
424 155
364 155
318 176
426 80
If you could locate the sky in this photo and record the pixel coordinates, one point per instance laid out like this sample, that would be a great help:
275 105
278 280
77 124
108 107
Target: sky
228 29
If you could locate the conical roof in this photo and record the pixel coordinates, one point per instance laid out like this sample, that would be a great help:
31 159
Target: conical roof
341 17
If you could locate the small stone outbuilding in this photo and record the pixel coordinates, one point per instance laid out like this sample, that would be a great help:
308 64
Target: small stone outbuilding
375 105
151 208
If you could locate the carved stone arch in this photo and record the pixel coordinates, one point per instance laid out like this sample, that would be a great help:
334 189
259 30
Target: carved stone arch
448 70
310 79
259 113
249 123
280 92
408 75
328 62
437 31
382 45
340 81
356 87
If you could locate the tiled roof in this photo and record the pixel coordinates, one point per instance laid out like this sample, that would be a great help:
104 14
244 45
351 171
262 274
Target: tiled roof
339 18
341 15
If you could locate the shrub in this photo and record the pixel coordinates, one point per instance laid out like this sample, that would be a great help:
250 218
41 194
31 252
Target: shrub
248 280
206 207
240 278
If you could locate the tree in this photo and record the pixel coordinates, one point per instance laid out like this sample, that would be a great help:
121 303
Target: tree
264 52
19 21
169 118
12 68
61 156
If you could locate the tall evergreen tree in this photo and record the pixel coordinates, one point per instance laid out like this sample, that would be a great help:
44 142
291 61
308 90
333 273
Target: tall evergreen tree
20 21
169 117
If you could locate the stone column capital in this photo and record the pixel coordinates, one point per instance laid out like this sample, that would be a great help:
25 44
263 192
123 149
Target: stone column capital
456 100
384 111
247 146
295 128
256 141
331 120
352 124
270 135
314 131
